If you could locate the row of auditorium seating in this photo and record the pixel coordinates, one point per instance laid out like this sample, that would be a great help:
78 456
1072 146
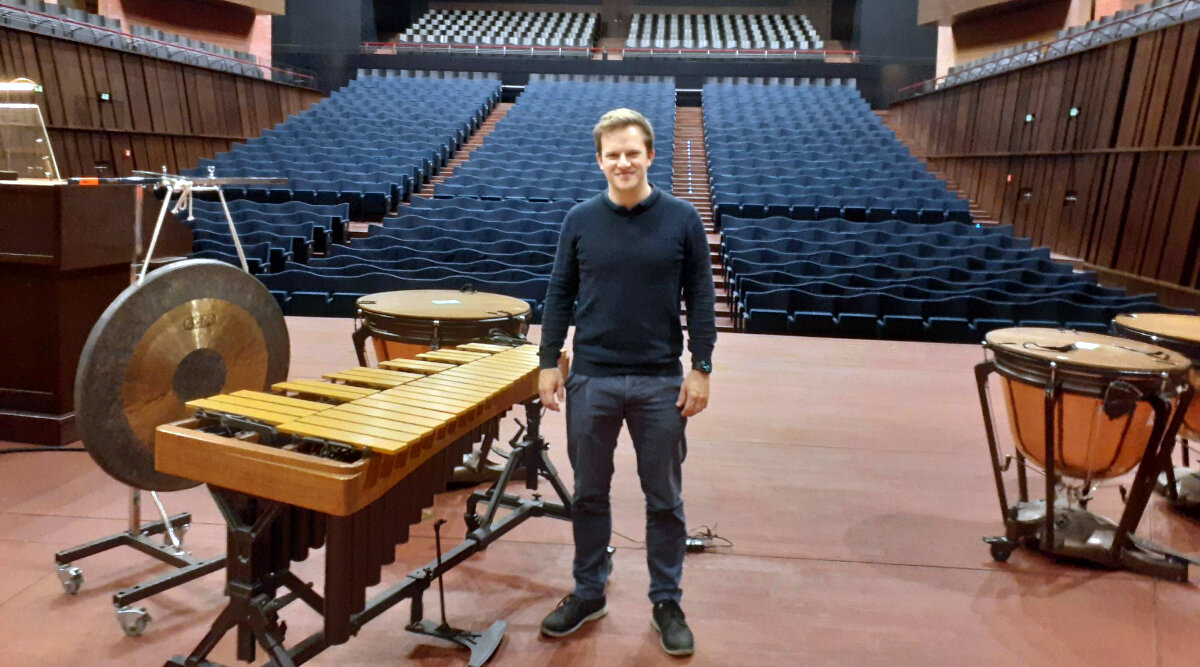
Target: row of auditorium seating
272 235
57 20
957 318
302 292
369 145
503 247
490 28
557 113
494 223
947 282
1124 23
754 120
722 31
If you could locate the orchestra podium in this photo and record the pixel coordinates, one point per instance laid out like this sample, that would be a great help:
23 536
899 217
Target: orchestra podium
65 254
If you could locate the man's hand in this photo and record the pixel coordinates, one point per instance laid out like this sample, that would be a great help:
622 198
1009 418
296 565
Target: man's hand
552 389
693 395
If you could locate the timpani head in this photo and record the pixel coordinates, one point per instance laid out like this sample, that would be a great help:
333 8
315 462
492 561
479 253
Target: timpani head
407 322
1173 331
1103 419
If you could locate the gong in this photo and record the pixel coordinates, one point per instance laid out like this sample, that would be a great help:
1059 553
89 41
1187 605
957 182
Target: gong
191 329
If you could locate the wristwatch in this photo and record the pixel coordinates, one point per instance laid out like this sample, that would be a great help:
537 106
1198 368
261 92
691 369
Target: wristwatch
702 366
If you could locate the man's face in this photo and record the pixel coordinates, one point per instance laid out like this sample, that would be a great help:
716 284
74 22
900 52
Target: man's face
623 158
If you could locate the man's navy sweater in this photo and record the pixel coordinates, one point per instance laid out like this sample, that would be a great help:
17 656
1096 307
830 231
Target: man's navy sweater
622 271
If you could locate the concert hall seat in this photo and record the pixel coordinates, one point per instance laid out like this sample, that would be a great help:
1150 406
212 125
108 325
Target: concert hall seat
950 330
984 325
813 323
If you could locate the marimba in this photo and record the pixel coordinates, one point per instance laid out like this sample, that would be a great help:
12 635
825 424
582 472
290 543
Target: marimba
349 462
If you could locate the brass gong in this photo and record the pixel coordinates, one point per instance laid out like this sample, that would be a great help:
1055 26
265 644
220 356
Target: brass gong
191 329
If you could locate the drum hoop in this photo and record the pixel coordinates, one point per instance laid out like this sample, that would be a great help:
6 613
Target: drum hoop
1169 342
444 329
1077 379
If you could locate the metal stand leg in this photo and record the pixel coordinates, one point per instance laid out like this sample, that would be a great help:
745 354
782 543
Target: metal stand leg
252 581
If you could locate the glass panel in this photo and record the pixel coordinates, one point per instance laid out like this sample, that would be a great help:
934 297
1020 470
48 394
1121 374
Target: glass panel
24 144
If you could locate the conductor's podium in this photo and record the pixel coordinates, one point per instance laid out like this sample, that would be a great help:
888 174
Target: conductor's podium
348 463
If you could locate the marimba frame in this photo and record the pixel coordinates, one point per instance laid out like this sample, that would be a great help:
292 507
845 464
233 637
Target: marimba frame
255 573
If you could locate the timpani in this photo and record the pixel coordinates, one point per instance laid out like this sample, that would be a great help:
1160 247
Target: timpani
1085 407
406 323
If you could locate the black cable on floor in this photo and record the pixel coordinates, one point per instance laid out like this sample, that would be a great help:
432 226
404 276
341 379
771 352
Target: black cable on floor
26 450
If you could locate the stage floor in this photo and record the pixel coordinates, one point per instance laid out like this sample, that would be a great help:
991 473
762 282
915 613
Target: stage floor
851 476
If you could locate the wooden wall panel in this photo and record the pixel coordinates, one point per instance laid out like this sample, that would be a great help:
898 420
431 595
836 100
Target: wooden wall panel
1117 185
163 113
1179 247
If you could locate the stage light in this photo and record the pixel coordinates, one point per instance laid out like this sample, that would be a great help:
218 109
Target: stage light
19 86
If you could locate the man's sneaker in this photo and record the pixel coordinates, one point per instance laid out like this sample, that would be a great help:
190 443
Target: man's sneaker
672 628
571 613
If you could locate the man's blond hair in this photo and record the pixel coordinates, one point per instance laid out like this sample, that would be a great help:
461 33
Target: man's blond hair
621 118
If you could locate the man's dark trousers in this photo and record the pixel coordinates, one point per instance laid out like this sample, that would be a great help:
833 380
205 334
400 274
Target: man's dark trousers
596 407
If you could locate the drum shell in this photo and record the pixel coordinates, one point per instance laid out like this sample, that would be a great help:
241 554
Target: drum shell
1191 350
404 338
1089 444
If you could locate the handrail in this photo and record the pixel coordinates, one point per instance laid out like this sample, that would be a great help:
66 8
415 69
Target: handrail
1057 47
129 42
383 48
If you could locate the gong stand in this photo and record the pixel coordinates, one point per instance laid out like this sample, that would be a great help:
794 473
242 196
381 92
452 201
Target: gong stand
133 621
1060 530
141 536
255 573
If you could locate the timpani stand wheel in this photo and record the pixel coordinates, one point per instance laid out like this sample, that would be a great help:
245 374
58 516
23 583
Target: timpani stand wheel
1085 407
1001 548
1181 333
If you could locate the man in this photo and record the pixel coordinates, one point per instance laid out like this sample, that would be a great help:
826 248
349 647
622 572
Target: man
624 258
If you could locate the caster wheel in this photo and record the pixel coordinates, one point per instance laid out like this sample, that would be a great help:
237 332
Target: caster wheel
133 620
71 578
1001 552
472 521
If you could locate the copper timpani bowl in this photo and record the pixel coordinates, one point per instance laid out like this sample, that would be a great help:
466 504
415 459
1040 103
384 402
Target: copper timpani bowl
1090 442
1175 332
